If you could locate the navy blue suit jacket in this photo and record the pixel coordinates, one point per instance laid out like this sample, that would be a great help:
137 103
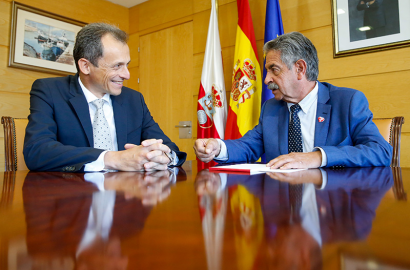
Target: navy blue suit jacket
59 135
347 135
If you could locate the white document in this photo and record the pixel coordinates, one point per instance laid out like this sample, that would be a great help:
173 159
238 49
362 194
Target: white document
251 168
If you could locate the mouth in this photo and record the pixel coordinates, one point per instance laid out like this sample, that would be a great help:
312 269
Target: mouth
118 83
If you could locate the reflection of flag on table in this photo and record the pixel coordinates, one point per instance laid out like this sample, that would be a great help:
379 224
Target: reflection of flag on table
212 105
244 106
248 225
213 211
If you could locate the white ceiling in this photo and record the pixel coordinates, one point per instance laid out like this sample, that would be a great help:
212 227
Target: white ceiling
127 3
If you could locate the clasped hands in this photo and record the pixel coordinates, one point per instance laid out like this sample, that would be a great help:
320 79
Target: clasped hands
148 156
207 149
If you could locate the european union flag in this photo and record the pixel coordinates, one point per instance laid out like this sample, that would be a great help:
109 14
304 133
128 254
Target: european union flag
273 29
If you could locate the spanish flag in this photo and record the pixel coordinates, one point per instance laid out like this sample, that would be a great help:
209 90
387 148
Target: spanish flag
245 101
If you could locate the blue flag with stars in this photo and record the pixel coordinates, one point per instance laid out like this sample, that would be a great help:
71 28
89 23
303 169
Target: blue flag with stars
273 29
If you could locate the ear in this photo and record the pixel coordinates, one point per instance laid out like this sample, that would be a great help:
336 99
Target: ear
84 66
301 68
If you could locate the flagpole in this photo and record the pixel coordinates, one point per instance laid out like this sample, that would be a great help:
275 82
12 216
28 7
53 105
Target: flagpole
216 8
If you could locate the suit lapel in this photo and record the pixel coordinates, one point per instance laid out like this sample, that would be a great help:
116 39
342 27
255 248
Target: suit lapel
120 118
80 106
322 116
283 124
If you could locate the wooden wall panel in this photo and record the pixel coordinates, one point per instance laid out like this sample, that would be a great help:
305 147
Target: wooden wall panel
200 24
15 105
405 146
5 9
305 14
133 81
134 26
157 12
134 43
198 61
384 100
166 79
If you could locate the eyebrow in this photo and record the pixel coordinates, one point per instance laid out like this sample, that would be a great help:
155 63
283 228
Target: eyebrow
271 66
121 63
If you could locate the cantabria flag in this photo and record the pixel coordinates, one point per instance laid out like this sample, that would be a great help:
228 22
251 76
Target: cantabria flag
212 105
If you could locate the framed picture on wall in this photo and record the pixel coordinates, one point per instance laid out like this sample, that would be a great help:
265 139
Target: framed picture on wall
361 26
42 41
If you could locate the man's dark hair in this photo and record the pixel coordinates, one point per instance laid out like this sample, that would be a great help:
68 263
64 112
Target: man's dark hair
88 43
292 47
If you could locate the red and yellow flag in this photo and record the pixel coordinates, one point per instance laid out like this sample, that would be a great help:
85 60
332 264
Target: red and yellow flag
211 108
245 102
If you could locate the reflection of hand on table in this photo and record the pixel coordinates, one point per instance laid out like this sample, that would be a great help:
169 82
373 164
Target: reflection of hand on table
207 183
150 187
300 177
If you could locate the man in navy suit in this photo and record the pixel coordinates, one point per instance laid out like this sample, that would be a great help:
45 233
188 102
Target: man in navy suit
336 123
59 135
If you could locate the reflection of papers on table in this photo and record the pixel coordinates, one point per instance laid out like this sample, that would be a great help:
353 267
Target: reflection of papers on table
249 169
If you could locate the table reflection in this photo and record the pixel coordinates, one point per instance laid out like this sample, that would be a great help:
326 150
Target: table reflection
335 205
76 220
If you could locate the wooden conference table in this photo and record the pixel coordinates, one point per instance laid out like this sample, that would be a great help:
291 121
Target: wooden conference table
359 220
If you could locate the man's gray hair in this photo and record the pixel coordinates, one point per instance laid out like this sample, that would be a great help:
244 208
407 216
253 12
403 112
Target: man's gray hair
292 47
88 43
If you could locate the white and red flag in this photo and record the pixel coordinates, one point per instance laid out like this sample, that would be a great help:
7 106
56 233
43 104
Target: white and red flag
212 108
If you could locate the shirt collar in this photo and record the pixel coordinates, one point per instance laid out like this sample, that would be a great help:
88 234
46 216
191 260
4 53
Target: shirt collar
308 101
90 97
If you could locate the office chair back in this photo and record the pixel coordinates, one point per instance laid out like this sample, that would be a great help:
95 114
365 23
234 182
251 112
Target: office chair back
14 132
390 129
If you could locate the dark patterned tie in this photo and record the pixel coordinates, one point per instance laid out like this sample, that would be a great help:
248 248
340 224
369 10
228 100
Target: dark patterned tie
101 131
295 133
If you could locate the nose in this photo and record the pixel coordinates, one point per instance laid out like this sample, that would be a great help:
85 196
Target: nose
125 73
268 79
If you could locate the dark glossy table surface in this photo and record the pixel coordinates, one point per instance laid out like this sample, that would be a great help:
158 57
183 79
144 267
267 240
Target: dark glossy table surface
358 219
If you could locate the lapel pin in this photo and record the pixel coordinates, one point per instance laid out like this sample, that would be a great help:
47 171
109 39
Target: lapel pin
321 119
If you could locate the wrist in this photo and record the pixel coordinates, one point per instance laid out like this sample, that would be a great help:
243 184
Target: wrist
219 147
109 160
170 157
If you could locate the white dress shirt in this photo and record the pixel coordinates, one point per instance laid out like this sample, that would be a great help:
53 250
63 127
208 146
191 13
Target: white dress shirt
307 118
99 165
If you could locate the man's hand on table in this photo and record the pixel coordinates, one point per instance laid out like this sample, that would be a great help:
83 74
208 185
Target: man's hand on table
149 156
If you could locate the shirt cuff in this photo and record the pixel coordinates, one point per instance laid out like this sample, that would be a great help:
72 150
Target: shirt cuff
96 166
175 159
324 156
223 155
